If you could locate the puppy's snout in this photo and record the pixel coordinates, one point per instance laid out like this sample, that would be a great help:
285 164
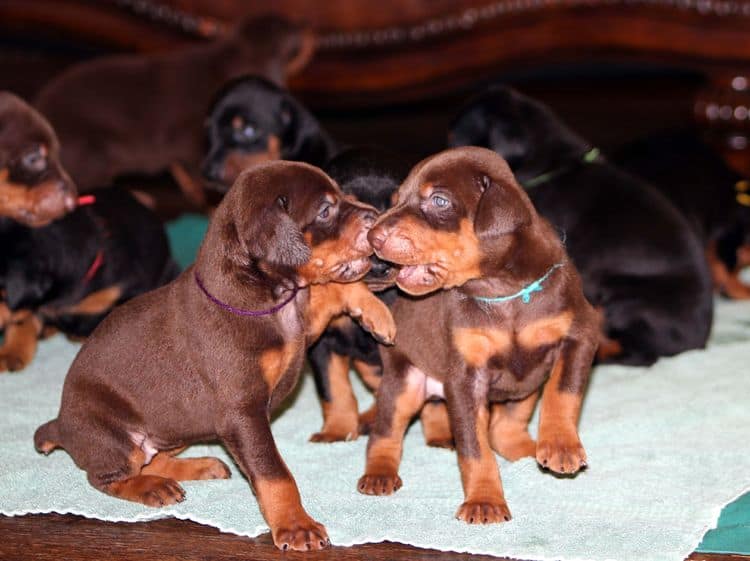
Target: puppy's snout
377 237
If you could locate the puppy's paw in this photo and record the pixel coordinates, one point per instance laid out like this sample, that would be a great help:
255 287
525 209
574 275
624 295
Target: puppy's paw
13 362
160 491
331 436
484 511
376 319
379 484
300 535
213 468
561 453
523 446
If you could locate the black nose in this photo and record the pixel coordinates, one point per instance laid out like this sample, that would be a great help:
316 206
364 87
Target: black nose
369 218
379 268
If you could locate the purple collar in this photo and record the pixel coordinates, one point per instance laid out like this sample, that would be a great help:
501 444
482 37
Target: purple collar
240 311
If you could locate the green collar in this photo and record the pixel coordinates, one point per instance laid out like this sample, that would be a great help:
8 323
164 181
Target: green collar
589 157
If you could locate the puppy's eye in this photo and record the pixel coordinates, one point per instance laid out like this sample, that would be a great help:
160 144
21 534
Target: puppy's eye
485 182
440 202
325 212
249 132
36 160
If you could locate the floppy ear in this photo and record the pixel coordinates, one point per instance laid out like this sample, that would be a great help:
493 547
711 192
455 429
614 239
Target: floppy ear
501 210
277 240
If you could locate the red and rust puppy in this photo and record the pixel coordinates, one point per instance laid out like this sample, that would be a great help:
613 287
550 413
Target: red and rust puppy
34 188
105 134
513 318
209 355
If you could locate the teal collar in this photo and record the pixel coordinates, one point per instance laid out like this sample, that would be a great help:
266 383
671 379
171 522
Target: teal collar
525 293
589 157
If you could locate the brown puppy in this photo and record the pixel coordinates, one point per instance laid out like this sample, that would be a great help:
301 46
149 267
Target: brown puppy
210 355
510 312
145 113
34 188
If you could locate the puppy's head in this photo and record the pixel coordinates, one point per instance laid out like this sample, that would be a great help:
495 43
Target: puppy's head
372 175
289 220
34 188
525 132
255 121
456 212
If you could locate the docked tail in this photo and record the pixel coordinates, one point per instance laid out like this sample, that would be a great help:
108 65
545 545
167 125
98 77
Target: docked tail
46 437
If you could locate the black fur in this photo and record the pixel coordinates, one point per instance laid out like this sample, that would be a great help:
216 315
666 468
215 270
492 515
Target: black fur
372 176
44 269
639 258
699 183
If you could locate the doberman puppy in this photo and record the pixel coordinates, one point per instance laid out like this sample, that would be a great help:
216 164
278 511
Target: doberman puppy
144 114
714 199
478 261
210 355
68 275
34 187
641 263
253 120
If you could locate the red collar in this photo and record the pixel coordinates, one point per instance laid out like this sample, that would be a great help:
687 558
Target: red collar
94 268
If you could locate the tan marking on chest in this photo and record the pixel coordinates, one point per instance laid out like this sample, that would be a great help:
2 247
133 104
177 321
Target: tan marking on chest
545 331
274 363
477 345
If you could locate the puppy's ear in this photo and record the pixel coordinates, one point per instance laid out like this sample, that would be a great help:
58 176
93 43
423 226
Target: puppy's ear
501 210
276 239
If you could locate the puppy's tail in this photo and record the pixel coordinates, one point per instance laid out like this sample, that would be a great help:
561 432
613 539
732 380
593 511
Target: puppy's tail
47 437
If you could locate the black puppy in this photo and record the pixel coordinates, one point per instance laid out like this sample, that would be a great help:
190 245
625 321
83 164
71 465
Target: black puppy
641 262
372 176
253 120
714 198
69 274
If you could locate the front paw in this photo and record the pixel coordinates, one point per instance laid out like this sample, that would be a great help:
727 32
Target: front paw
13 362
378 321
484 511
379 484
561 453
330 436
300 535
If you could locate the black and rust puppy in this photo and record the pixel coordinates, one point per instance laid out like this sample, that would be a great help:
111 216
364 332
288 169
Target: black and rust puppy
372 176
478 261
640 261
253 120
714 199
210 355
69 274
34 187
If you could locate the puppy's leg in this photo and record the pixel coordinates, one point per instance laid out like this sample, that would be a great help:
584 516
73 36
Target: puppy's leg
559 447
436 425
355 299
400 396
21 334
484 501
164 464
247 436
371 375
331 373
509 428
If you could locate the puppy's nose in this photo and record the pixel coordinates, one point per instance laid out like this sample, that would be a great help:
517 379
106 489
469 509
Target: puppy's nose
377 237
368 218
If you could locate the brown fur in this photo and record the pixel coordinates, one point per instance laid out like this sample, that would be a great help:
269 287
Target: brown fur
21 334
463 228
104 134
32 196
171 367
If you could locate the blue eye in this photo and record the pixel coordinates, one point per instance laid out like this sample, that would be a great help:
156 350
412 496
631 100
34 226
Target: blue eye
440 202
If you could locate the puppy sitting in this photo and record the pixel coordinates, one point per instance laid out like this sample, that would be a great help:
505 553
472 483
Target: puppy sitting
210 355
253 120
484 267
641 263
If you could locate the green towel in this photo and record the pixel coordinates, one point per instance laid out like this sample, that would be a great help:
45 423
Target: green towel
667 449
